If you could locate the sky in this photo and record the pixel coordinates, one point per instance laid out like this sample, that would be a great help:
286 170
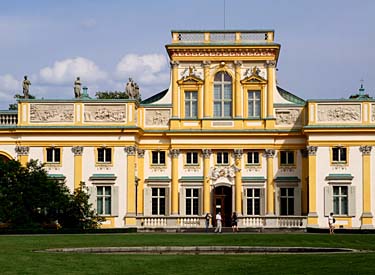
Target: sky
327 46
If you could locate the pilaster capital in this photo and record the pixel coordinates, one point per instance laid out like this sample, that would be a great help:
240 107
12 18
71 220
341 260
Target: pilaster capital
22 150
174 153
238 63
206 63
270 153
238 153
77 150
270 64
206 153
311 150
174 64
141 153
304 153
130 150
365 149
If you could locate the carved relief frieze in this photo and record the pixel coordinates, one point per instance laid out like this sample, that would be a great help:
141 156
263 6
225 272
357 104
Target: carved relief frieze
157 117
288 117
372 112
104 113
339 113
51 113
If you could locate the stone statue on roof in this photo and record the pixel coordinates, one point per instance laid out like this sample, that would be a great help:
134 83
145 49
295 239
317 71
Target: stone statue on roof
26 87
132 89
77 88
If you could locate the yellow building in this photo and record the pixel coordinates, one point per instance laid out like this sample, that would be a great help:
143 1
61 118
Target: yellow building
222 138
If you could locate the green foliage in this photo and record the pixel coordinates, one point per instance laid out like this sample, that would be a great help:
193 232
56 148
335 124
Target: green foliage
29 198
111 95
14 106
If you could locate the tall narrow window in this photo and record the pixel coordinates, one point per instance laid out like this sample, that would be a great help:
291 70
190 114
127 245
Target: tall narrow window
287 158
253 104
340 200
286 201
104 200
192 201
222 95
53 155
339 154
158 201
222 158
104 155
191 104
158 158
192 158
253 201
253 158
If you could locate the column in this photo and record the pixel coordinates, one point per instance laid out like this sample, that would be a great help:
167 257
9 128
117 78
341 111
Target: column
141 180
305 174
206 180
77 151
238 180
270 153
367 216
312 218
270 65
131 181
22 154
238 94
174 66
207 102
174 153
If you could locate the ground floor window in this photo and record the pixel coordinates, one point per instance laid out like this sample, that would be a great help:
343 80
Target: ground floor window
340 200
103 200
253 201
158 201
287 201
192 201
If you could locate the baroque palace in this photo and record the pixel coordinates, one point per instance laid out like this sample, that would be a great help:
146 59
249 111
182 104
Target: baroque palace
223 137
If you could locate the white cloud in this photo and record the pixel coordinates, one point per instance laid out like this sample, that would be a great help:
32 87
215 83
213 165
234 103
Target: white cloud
9 83
66 71
145 69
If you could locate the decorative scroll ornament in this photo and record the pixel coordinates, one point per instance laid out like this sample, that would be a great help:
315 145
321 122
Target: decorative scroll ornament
270 63
22 150
270 153
206 153
174 153
141 153
77 150
238 153
365 149
130 150
311 150
224 172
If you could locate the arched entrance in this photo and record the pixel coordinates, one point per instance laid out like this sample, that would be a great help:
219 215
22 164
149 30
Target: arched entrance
222 202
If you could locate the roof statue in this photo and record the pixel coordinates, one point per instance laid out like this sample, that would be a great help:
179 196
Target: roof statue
77 88
26 87
132 89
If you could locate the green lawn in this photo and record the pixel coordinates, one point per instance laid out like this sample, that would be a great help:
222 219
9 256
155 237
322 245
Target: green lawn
17 256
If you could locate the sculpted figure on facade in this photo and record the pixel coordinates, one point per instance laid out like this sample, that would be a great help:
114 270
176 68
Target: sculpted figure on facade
132 89
26 87
77 88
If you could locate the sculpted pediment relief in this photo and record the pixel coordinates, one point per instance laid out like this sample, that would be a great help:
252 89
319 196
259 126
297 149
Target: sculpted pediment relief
254 79
190 79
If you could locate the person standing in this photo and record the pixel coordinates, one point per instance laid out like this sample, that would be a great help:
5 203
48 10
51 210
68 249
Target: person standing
234 222
331 223
207 221
218 223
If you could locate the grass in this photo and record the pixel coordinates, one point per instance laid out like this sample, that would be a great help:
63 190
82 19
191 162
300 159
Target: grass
17 256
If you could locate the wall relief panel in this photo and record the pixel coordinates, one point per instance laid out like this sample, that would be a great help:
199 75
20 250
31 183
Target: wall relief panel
104 113
51 113
339 113
288 117
157 117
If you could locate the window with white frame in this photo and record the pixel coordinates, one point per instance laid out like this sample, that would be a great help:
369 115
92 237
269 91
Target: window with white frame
158 157
287 201
287 158
192 201
53 155
158 196
253 158
253 103
222 95
253 200
104 200
191 104
104 155
222 158
191 158
340 200
339 155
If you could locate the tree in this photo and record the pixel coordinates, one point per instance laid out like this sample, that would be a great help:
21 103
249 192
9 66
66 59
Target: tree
28 197
14 106
111 95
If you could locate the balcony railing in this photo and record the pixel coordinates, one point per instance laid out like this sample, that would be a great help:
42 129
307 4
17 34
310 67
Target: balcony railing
8 118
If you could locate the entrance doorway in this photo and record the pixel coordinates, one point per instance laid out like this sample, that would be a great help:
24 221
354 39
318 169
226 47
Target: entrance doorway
222 202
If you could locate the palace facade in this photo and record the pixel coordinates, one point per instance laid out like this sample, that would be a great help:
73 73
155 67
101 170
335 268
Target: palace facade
223 137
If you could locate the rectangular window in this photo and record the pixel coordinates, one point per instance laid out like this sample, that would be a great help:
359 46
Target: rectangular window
287 201
104 200
158 201
53 155
286 158
253 201
192 158
253 103
223 100
104 155
340 200
191 104
192 201
222 158
339 154
253 158
158 157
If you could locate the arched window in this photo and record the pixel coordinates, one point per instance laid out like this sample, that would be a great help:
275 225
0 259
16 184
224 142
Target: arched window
222 95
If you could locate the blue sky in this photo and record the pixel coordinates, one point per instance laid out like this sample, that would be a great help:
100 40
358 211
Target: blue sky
327 46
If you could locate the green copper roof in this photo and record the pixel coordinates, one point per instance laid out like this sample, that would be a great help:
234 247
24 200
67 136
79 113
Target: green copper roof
290 97
192 179
103 177
253 179
162 178
287 179
339 177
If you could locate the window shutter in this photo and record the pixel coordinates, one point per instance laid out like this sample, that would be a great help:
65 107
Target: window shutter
244 202
167 202
277 201
92 199
147 203
351 201
114 210
183 201
262 202
328 200
297 201
200 201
